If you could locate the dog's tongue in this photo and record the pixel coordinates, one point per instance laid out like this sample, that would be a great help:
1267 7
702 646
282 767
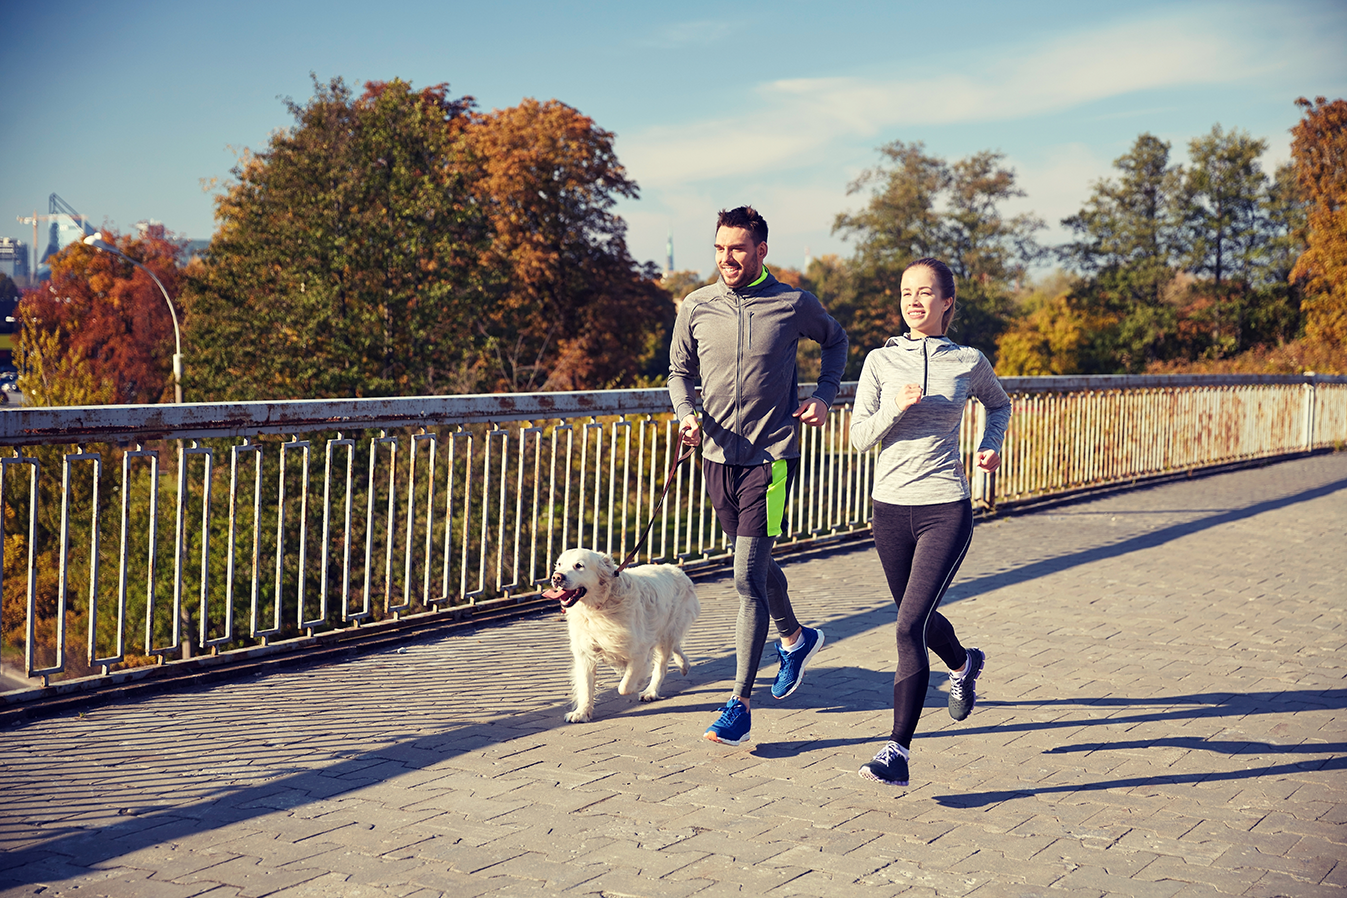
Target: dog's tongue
565 596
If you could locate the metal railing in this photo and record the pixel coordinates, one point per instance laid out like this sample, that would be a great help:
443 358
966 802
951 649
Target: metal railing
290 520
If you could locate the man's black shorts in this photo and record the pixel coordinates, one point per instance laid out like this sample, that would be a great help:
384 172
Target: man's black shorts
750 500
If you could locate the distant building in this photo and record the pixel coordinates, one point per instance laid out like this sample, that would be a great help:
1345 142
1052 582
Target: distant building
8 329
668 259
61 233
14 259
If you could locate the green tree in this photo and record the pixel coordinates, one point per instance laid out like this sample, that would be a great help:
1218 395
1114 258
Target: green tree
1242 230
344 260
921 205
1126 245
1221 205
1124 233
1273 310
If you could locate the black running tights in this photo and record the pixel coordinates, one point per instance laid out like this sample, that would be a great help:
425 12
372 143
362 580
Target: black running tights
921 548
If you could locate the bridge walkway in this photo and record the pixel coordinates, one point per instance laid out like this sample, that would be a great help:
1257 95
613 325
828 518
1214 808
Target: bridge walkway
1162 714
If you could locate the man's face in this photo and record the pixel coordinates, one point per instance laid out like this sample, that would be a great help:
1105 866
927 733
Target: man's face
738 257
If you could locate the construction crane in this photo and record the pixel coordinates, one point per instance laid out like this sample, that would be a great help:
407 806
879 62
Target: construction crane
57 209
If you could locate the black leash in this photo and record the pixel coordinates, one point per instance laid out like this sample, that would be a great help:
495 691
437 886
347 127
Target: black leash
683 456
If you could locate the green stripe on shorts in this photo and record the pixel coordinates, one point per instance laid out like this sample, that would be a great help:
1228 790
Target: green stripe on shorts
776 498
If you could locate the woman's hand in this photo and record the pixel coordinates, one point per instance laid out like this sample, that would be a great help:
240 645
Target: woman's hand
908 396
989 460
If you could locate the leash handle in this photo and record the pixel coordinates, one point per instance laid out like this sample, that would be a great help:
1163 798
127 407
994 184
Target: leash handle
686 453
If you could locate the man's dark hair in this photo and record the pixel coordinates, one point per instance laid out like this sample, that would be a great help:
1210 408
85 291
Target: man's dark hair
745 217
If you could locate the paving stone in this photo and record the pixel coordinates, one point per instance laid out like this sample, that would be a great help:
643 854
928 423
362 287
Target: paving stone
331 884
1109 883
251 878
1279 885
821 884
538 868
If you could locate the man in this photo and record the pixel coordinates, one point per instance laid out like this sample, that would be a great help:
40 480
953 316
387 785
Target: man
740 336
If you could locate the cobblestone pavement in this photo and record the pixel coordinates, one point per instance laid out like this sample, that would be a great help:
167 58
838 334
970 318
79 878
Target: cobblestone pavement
1162 714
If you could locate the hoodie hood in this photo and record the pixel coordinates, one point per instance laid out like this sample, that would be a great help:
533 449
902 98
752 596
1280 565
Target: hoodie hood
929 344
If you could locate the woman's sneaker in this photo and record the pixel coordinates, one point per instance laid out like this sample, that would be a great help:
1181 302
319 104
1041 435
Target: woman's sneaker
732 727
962 690
888 767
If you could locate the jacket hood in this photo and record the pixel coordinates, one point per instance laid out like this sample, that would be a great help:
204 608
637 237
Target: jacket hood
903 341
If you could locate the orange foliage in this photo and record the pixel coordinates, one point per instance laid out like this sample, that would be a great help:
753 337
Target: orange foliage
1319 151
111 315
1296 357
573 310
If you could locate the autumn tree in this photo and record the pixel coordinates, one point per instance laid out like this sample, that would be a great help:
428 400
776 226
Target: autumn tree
1319 151
399 242
921 205
99 331
567 306
1054 332
679 284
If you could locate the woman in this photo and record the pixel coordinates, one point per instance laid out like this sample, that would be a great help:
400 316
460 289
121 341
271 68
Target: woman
911 398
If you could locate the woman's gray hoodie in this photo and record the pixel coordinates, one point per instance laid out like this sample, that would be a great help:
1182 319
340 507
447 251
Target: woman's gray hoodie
919 463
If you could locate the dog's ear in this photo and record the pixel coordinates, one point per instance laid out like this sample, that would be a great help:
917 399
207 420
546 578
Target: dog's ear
608 566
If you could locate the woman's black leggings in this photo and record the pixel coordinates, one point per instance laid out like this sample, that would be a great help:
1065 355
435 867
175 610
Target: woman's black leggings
921 548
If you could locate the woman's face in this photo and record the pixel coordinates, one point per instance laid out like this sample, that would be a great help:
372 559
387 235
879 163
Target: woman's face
923 306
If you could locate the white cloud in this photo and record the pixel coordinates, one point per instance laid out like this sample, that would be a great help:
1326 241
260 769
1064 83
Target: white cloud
792 145
689 34
1021 82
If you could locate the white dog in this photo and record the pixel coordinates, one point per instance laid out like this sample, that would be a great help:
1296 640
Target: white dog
633 621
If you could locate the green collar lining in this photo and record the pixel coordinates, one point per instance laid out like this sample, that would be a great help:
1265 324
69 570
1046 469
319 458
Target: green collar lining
762 277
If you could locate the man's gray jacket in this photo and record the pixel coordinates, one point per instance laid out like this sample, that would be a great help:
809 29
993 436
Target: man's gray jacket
742 344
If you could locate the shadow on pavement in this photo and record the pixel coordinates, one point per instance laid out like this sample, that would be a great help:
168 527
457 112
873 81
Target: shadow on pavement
982 799
1202 705
967 588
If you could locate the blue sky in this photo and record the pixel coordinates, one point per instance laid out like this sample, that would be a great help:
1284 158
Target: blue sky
126 109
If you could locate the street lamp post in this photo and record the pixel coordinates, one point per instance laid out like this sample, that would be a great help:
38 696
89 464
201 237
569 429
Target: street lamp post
97 242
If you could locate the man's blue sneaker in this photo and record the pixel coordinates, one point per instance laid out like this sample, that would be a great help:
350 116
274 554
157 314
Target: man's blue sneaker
793 663
732 727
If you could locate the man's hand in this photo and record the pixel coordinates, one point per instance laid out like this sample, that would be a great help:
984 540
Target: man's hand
989 460
812 412
689 431
908 396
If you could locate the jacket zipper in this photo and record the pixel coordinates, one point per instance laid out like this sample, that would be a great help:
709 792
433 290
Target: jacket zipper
738 371
925 368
